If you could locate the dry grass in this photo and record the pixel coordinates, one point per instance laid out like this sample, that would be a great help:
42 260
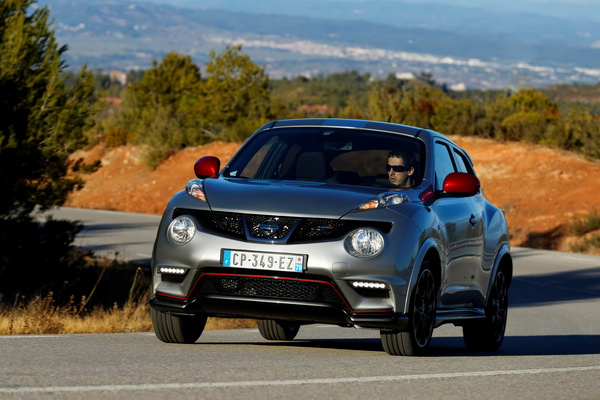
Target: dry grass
44 315
230 323
40 315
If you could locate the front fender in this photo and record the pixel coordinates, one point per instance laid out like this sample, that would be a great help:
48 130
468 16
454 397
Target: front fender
496 236
427 247
502 260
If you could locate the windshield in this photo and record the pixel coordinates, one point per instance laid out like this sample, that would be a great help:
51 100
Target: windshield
331 155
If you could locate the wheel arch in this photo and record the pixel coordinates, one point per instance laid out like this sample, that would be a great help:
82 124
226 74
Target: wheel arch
430 252
503 262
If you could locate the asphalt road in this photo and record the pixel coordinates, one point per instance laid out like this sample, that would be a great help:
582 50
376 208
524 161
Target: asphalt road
112 234
552 351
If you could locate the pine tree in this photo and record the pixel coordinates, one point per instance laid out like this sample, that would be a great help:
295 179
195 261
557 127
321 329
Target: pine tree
236 93
41 120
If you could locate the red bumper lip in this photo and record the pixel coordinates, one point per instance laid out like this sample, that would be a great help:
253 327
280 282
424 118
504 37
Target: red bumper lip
298 311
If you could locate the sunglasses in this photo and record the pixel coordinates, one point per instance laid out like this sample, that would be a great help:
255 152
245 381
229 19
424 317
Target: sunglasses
397 168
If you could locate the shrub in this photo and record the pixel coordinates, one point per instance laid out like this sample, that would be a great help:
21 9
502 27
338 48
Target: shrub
524 126
589 223
587 244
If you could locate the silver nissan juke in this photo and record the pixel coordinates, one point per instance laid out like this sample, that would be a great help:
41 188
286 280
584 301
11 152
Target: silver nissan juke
336 221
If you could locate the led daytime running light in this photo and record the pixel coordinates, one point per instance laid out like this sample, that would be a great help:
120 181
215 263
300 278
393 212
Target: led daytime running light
172 270
369 285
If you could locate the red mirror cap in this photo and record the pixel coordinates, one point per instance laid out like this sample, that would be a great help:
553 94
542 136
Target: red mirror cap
207 167
461 183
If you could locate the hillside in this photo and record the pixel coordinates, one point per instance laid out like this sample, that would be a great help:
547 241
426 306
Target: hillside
541 189
463 46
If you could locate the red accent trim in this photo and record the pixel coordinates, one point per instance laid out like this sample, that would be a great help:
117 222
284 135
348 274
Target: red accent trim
427 196
371 311
276 277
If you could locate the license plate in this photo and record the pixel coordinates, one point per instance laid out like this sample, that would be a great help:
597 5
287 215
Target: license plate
269 261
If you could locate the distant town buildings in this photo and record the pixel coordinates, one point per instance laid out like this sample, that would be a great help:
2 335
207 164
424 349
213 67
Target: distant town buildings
118 76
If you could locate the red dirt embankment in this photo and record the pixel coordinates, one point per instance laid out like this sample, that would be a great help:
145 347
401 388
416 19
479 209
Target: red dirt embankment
541 189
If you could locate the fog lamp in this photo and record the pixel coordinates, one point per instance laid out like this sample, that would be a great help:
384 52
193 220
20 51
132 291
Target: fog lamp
181 230
364 243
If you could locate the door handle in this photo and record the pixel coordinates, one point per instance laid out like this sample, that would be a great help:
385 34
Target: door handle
473 221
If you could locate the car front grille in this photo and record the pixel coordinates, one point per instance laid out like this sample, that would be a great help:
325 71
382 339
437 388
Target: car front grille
272 228
269 287
277 228
229 223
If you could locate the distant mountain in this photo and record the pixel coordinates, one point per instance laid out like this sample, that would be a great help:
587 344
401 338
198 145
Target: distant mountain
530 21
460 46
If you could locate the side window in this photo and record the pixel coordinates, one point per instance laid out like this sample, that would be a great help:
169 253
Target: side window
462 163
443 164
254 164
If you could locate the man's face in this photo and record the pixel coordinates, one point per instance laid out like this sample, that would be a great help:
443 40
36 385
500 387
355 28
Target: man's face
397 175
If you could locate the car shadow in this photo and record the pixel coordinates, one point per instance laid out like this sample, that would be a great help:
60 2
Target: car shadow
546 345
536 290
562 286
359 344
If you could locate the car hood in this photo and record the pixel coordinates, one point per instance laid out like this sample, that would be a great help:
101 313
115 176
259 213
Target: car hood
286 197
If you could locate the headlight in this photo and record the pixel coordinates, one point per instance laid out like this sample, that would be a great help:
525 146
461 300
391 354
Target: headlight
195 188
382 201
181 230
364 243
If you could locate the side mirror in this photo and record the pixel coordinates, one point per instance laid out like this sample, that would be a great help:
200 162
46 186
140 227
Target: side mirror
207 167
461 184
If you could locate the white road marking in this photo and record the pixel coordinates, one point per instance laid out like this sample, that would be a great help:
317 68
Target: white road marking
364 379
3 337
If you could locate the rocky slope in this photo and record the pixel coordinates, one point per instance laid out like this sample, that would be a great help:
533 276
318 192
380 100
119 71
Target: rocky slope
541 189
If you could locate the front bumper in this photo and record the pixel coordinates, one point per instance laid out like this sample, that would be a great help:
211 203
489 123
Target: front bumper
303 299
322 292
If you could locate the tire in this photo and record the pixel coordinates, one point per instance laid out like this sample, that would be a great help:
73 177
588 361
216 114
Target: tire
277 330
415 341
489 335
171 328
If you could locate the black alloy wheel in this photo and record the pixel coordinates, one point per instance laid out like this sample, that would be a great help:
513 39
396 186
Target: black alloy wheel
489 335
171 328
415 341
278 330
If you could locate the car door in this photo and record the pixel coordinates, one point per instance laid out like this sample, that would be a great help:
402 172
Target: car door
463 164
458 237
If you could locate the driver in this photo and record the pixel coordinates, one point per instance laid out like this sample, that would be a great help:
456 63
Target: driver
400 168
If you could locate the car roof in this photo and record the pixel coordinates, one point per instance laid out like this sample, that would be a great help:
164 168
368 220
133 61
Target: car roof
426 135
344 123
354 123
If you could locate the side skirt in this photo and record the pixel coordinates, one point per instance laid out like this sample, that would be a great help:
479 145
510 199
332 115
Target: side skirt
459 316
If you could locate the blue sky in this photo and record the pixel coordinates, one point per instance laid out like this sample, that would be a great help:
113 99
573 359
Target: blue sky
584 9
